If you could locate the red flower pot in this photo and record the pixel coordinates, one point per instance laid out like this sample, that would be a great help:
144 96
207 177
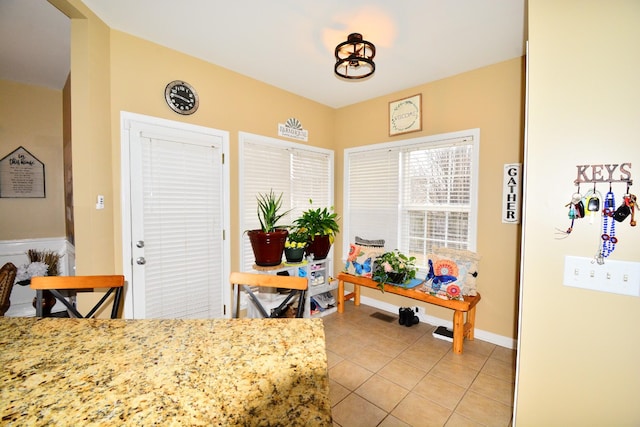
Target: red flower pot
268 247
319 247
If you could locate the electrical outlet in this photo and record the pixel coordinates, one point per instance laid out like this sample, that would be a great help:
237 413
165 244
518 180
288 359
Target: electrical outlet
618 277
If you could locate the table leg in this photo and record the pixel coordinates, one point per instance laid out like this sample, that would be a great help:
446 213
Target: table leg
471 320
340 296
458 331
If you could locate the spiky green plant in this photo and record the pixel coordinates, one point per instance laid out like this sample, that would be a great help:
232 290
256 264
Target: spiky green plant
269 211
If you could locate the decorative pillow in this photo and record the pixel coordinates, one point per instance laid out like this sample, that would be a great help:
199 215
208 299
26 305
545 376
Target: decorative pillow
452 273
378 243
360 259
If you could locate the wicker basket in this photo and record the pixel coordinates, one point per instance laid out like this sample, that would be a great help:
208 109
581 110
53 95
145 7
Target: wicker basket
7 276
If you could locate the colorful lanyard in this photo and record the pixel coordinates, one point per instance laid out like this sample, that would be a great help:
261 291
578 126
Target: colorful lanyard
609 238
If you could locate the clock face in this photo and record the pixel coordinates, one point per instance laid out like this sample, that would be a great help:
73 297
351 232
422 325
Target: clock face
181 97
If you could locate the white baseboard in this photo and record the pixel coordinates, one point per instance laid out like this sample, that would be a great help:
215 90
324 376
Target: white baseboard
490 337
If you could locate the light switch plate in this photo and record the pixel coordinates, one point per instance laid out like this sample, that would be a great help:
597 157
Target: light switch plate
618 277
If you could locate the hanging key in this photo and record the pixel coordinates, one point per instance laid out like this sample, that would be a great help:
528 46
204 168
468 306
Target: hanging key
592 206
623 211
632 206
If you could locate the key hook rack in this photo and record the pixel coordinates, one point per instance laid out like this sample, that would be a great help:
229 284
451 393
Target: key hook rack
593 203
604 173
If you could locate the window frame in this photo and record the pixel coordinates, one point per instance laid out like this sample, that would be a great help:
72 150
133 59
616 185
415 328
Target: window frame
442 140
244 138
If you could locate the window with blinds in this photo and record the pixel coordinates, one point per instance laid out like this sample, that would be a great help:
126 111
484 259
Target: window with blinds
415 194
300 172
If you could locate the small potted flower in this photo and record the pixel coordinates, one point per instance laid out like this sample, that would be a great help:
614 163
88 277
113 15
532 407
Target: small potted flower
394 268
296 243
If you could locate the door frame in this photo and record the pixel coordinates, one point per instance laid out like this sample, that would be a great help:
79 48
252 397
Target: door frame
127 121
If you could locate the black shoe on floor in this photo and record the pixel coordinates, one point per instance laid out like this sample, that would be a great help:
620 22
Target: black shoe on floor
411 318
404 313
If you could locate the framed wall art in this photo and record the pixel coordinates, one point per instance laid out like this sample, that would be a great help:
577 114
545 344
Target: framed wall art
405 115
21 175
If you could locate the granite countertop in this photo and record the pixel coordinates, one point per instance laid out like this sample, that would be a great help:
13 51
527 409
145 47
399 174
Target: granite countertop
223 372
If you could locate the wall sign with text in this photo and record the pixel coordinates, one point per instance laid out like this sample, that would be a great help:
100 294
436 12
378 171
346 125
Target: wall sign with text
293 129
511 188
21 175
405 115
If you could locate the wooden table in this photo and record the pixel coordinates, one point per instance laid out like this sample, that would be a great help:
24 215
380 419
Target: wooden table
461 328
82 372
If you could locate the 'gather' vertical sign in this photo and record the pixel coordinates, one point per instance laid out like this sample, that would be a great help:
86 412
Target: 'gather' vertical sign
511 203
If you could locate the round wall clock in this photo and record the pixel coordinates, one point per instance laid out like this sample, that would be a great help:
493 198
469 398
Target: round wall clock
181 97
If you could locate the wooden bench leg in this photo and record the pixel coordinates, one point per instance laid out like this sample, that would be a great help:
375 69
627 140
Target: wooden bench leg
355 295
458 331
340 296
470 326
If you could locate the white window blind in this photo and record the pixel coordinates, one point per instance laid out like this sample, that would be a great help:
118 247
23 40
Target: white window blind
416 194
371 202
182 193
301 173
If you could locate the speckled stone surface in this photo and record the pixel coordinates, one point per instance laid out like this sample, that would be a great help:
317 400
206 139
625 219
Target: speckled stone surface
215 372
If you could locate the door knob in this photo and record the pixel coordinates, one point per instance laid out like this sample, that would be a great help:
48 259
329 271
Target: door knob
141 261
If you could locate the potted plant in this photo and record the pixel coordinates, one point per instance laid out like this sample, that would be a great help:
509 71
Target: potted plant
296 243
268 241
322 226
394 267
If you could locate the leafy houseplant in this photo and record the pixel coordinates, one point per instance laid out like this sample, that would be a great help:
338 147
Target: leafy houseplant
322 226
394 267
268 241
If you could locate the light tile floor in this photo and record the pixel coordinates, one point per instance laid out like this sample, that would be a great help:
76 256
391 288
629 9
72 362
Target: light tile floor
385 374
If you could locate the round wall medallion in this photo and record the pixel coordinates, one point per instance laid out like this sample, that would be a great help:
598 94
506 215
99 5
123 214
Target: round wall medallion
181 97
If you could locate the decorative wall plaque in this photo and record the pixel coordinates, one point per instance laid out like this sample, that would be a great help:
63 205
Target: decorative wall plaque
293 129
21 175
405 115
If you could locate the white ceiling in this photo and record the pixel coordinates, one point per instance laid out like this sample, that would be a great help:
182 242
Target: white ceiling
286 43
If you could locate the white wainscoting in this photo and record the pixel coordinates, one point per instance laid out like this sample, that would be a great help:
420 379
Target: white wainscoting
15 251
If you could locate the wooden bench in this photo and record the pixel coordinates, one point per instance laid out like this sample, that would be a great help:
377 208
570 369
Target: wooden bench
461 328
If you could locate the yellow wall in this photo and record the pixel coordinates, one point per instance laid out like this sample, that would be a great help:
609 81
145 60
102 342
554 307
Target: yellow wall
579 349
490 99
91 139
31 116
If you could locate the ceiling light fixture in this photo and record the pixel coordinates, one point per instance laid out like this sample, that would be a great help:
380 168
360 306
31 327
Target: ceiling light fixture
354 58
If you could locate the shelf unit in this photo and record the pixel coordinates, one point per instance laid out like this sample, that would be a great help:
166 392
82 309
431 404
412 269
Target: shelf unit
318 274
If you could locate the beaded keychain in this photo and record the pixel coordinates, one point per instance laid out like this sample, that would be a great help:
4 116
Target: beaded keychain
609 239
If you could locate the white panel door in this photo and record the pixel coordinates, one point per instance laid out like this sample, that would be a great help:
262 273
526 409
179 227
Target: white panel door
177 224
